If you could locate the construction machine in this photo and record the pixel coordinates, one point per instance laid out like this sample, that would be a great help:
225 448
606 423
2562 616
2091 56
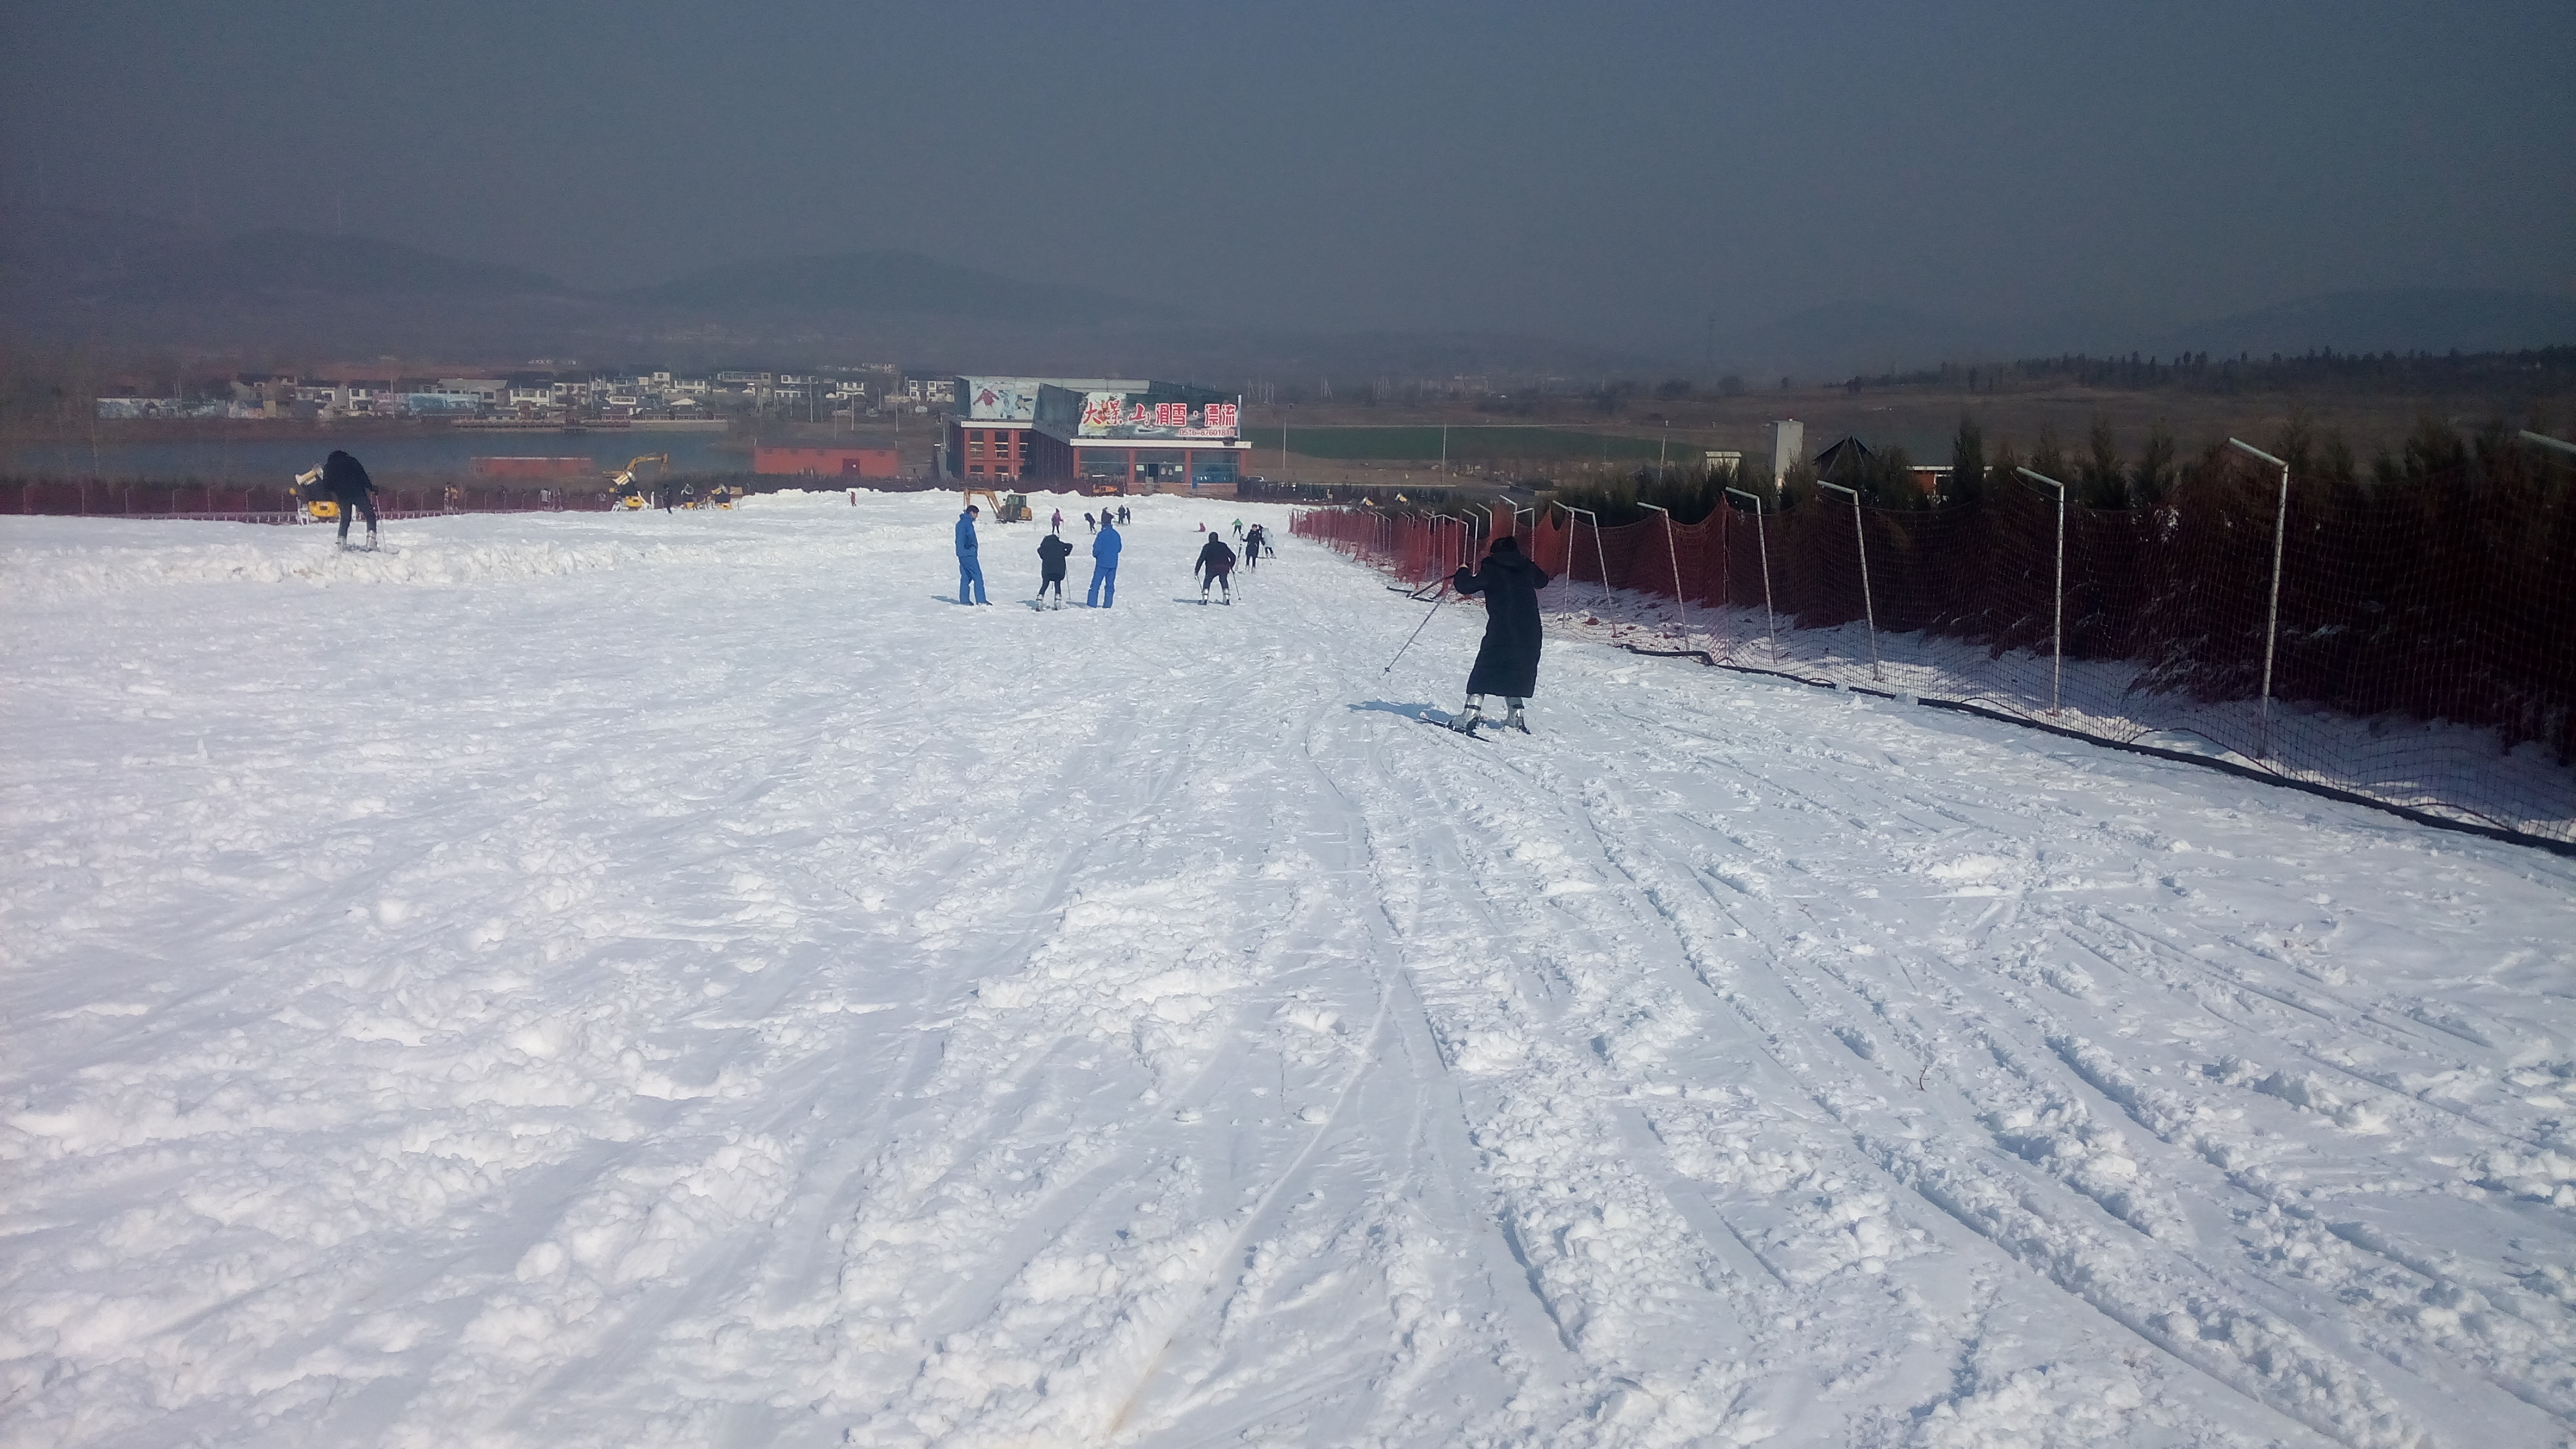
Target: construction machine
1005 510
623 490
311 501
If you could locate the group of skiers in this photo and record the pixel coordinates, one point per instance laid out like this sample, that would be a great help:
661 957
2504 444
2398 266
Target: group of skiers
1214 569
1506 660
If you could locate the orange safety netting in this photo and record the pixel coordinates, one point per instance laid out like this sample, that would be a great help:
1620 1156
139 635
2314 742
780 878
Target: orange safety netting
2424 652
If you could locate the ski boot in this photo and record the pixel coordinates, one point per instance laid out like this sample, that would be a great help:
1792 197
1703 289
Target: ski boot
1515 719
1466 720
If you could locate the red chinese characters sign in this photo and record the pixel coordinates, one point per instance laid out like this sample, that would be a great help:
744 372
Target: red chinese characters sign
1125 415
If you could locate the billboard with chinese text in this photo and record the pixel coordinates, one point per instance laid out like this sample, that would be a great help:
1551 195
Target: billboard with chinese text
1144 417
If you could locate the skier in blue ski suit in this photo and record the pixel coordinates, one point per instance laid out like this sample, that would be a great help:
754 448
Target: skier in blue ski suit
970 568
1104 567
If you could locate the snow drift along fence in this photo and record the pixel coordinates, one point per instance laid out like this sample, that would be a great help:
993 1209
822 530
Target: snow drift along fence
2424 657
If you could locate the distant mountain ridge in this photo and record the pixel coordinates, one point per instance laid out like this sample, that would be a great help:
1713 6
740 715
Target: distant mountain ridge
888 284
109 280
1845 338
2392 319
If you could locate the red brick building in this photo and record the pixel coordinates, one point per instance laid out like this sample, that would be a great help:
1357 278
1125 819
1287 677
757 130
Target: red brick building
827 462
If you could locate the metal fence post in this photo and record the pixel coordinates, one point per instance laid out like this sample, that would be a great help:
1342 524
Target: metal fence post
1762 550
1869 609
1599 558
2272 621
2057 625
1674 558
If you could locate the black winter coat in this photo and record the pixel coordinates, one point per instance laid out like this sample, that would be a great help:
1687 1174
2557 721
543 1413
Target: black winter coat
345 478
1051 555
1215 559
1507 662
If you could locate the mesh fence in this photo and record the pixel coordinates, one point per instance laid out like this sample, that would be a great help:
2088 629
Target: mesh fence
2420 646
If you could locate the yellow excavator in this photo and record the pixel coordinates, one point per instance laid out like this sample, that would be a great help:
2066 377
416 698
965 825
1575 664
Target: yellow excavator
623 490
1013 509
311 501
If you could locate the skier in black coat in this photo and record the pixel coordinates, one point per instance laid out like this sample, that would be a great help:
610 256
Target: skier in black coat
1507 662
1215 566
348 484
1052 551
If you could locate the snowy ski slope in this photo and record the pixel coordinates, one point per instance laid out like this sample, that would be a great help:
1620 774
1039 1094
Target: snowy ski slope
650 980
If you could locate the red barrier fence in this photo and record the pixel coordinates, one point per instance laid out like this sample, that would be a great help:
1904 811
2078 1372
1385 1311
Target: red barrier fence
2421 652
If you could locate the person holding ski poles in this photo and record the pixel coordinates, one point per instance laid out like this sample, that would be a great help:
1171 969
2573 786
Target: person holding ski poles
346 480
970 565
1253 544
1052 552
1507 660
1104 566
1215 565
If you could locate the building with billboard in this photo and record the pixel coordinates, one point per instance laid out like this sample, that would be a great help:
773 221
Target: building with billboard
988 435
1151 435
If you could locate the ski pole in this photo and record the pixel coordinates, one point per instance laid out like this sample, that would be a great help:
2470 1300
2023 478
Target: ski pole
1418 628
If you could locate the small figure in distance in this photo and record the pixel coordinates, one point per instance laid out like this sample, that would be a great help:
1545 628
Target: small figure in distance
1507 660
970 565
1058 525
1215 565
353 490
1123 515
1090 523
1052 552
1104 568
1238 529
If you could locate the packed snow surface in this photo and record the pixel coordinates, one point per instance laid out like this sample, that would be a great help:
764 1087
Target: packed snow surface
683 980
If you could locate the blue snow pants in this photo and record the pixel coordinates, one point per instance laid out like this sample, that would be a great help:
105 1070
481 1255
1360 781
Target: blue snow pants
970 578
1104 588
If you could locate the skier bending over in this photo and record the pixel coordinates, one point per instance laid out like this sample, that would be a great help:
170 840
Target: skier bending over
1507 662
1104 568
1052 551
1216 562
970 566
347 481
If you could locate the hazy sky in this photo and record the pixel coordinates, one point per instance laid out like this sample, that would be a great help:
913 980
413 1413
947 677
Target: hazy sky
1603 172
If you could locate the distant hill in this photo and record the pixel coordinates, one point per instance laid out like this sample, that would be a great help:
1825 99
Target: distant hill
888 284
1843 338
103 257
136 283
1840 338
2397 319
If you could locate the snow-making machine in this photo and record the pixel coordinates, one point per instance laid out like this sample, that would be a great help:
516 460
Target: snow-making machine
312 500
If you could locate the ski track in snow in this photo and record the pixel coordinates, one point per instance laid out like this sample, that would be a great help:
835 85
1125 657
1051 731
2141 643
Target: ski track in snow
679 980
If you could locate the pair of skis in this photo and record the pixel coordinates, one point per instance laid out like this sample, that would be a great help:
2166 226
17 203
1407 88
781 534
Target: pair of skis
1450 723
